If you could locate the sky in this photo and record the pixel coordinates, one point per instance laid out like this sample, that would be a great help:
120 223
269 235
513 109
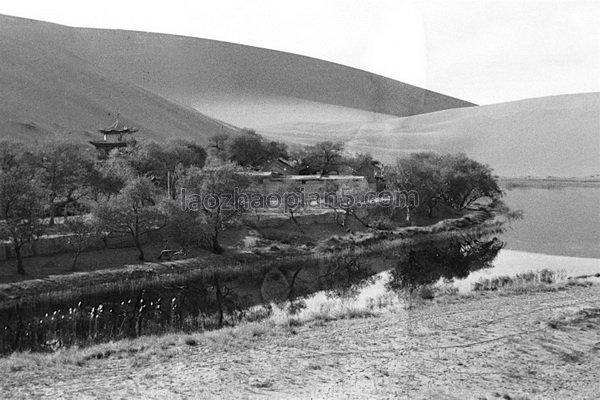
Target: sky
484 51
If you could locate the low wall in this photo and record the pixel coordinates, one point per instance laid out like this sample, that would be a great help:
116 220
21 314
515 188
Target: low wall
277 220
57 244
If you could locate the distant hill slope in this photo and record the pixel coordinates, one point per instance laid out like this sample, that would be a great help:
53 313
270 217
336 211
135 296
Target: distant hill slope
60 81
47 91
558 135
72 77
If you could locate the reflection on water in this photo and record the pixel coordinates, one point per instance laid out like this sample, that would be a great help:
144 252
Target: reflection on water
448 261
212 301
559 220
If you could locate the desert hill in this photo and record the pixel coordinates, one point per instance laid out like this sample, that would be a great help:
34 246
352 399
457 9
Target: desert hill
548 136
48 91
60 79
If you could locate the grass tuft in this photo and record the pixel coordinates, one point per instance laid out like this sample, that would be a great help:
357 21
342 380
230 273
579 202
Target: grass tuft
523 282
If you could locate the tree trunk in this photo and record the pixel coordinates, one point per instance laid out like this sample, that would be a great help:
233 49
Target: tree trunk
295 221
219 296
75 257
216 247
20 268
52 214
52 209
430 211
138 245
356 217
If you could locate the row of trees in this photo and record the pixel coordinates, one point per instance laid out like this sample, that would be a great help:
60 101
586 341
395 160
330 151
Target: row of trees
250 150
135 190
450 182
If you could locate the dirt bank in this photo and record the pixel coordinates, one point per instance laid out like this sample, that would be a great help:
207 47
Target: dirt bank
538 345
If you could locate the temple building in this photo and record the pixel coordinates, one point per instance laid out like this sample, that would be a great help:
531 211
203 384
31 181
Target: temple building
116 132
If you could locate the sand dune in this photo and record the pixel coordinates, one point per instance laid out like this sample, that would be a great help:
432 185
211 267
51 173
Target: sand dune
59 79
48 91
557 136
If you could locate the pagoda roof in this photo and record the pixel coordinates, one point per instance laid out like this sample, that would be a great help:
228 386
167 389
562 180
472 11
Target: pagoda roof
118 129
108 145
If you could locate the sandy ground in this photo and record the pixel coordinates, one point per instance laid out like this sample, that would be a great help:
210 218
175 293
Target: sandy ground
485 347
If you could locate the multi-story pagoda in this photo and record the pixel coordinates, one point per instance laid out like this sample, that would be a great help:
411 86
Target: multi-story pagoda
117 131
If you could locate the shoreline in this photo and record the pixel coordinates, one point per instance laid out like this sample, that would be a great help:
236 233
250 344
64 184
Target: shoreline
548 182
438 349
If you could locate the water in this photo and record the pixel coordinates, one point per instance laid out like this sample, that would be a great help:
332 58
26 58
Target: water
223 297
560 232
510 263
562 221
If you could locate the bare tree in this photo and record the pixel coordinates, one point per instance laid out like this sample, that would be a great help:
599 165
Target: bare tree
134 212
80 233
208 205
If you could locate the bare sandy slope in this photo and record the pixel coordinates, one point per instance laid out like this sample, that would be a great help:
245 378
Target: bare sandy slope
52 74
47 91
479 348
71 81
558 135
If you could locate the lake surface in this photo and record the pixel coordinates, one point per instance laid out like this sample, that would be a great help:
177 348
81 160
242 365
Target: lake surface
560 231
563 221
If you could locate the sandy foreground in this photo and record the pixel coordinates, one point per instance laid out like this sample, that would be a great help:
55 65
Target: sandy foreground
542 345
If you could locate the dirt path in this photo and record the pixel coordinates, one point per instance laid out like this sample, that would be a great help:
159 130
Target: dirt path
478 348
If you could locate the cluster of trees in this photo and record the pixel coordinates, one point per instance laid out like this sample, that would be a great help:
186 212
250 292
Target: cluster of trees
455 181
422 182
329 157
34 182
122 194
135 189
250 150
247 149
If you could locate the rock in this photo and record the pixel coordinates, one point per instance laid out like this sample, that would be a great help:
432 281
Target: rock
275 286
426 293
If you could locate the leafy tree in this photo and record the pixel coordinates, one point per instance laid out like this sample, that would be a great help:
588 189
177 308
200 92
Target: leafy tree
208 205
362 164
249 149
323 158
467 181
66 173
218 145
21 207
158 162
109 177
134 212
420 172
455 180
